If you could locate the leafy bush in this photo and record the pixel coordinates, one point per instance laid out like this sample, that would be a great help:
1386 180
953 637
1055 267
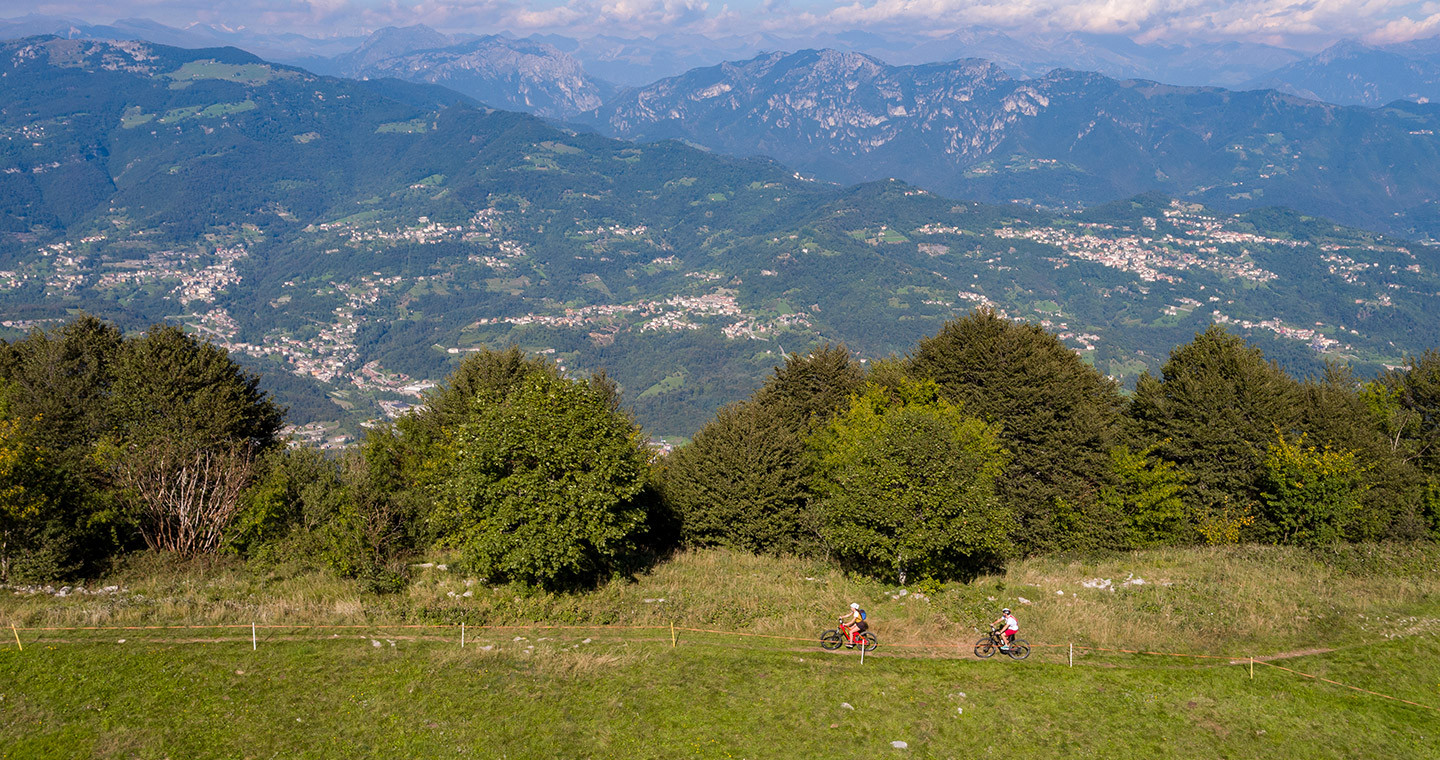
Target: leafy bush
907 486
541 482
1310 494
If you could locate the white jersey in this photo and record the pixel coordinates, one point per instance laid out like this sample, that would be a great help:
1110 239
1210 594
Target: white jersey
1011 624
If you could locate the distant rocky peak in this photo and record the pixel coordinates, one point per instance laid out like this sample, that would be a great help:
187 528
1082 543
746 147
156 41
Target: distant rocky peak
390 42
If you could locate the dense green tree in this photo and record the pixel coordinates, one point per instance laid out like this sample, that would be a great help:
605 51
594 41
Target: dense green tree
486 372
906 485
58 384
54 396
28 503
808 390
168 384
1146 498
740 483
1058 417
296 491
377 519
1415 410
542 482
1340 413
1213 411
1309 494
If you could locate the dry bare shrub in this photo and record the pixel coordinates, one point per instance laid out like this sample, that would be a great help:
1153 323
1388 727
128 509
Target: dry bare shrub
185 496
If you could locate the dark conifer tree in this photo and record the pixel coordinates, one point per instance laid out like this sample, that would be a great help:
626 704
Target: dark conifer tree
742 481
1214 410
1058 418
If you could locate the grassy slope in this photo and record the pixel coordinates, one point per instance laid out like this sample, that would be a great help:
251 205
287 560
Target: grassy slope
628 694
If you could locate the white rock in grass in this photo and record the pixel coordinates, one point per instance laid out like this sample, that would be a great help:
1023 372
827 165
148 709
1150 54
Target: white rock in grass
1059 593
1022 600
847 706
959 711
586 641
519 638
122 641
487 647
374 643
897 744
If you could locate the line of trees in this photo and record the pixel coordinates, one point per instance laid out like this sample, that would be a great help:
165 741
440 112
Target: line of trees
990 439
993 439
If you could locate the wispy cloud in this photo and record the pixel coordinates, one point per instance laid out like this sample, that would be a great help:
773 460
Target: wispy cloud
1145 20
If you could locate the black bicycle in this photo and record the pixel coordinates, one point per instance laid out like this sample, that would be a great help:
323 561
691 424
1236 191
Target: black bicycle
1019 649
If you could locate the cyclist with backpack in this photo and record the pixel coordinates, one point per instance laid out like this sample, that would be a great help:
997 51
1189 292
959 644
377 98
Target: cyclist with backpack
1012 627
855 626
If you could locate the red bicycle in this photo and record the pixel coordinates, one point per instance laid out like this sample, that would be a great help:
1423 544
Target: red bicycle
833 638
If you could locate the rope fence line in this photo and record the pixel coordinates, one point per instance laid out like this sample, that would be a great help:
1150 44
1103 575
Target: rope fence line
274 628
1345 685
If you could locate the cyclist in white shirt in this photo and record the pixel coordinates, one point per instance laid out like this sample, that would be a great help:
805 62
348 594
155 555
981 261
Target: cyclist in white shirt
1011 627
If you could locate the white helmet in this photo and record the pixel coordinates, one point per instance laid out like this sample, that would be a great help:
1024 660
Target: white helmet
854 605
1005 611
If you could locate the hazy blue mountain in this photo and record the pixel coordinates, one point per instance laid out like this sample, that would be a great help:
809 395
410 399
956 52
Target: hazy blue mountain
1355 74
387 43
291 48
640 61
968 129
523 75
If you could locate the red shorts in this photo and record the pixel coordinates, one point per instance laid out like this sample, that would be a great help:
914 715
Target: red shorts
1011 631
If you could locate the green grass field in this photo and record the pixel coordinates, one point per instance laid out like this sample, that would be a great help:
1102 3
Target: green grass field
1364 616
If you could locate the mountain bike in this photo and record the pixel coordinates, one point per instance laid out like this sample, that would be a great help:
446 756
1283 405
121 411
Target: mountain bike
833 638
1019 649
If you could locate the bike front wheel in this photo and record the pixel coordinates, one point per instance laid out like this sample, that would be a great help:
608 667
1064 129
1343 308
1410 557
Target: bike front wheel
831 640
1019 649
867 641
984 648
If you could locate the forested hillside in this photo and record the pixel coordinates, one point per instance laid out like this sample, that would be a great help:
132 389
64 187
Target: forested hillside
353 241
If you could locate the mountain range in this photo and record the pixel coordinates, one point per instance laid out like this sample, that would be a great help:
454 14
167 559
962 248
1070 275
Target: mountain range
521 75
353 240
968 129
1348 73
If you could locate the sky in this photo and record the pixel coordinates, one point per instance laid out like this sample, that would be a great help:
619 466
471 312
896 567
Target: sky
1290 23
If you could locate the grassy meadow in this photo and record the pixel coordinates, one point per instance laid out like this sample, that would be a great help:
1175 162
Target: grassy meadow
1362 615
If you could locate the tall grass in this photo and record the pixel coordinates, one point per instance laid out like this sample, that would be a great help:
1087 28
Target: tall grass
1230 600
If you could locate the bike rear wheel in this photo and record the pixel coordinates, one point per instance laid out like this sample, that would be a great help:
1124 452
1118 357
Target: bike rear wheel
1019 649
831 640
867 641
984 648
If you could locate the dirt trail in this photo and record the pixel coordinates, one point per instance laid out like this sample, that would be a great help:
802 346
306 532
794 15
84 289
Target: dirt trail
1285 655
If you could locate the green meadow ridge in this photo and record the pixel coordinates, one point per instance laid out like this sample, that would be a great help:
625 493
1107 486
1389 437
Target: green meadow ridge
599 694
354 241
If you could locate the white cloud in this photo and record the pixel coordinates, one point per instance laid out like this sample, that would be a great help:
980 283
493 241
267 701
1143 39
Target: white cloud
1145 20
